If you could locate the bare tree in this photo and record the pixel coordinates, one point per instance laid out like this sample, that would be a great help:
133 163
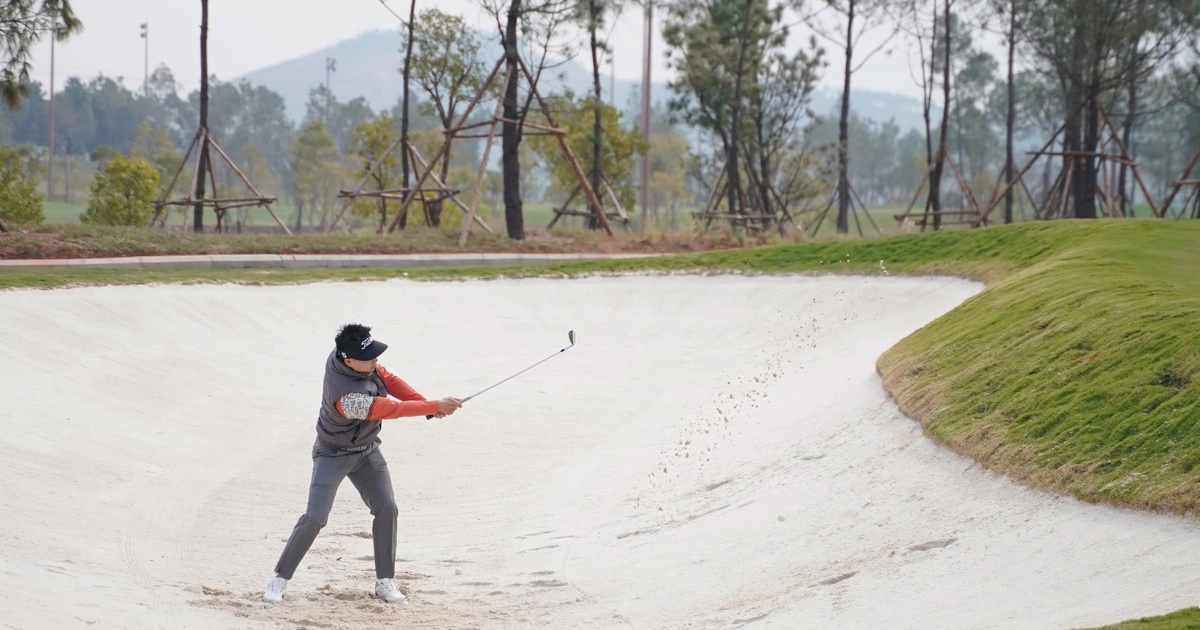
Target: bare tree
540 20
856 17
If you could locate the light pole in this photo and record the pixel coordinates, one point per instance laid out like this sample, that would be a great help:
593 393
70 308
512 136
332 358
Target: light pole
50 140
647 218
146 58
330 66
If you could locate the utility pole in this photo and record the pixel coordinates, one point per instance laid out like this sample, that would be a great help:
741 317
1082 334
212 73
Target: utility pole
612 80
647 218
330 66
146 58
50 142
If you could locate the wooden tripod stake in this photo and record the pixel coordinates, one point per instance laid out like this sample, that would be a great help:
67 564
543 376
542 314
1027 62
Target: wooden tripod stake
220 205
553 129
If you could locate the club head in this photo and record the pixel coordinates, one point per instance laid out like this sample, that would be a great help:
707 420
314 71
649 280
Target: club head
571 336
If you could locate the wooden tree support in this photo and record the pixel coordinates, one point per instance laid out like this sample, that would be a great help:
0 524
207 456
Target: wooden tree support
220 205
856 205
451 134
618 214
3 228
441 191
1058 197
972 215
1190 199
758 215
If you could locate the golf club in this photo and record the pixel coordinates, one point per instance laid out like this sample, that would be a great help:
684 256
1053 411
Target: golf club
570 337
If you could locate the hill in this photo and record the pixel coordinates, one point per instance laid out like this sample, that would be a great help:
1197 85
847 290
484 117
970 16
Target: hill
368 66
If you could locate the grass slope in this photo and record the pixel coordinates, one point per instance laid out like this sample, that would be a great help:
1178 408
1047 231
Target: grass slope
1076 370
1186 619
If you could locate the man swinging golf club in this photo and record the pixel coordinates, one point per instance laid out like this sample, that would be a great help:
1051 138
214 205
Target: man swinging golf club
354 402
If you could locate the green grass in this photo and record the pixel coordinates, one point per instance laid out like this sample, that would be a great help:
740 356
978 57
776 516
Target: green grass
1076 370
1186 619
59 212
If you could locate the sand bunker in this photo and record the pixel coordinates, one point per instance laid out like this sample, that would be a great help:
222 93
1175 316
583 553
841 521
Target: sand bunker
715 452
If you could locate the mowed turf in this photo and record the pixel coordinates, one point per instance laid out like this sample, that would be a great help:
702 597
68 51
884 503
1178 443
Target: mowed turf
1074 371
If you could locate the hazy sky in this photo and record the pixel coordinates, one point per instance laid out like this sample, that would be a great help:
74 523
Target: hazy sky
246 35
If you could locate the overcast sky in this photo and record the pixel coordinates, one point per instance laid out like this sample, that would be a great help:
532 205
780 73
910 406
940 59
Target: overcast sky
246 35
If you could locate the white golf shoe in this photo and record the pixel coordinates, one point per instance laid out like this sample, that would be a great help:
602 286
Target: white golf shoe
387 591
275 589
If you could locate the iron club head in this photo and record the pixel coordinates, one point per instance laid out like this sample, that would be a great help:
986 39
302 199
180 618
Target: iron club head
571 336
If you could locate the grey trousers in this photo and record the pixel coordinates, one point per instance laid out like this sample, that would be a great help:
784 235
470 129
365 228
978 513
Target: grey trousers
369 473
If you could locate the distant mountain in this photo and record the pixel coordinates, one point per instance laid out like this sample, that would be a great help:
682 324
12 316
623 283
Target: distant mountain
368 66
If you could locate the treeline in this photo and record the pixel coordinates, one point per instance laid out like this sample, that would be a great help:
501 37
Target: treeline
744 82
737 137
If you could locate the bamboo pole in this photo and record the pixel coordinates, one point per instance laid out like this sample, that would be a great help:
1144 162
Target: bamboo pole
587 186
246 180
171 186
1125 153
347 199
416 156
487 153
444 148
854 191
212 180
559 212
1182 181
1020 175
203 136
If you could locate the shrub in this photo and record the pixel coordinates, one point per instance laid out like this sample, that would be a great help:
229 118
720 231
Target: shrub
19 204
123 193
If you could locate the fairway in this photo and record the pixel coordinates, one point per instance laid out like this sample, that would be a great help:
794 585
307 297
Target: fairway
715 451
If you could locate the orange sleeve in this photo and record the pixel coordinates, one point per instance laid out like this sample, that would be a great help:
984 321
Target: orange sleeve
396 386
383 408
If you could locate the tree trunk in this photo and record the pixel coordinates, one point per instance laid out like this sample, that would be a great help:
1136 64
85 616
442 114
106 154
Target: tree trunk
412 15
593 222
1084 184
435 208
939 165
843 191
927 113
380 182
735 121
1010 119
765 171
510 132
198 209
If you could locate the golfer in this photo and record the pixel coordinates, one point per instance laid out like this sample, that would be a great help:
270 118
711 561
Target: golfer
354 402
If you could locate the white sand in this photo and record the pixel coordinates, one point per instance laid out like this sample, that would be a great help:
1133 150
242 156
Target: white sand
716 452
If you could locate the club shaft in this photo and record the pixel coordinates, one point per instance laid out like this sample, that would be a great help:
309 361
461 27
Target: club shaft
517 374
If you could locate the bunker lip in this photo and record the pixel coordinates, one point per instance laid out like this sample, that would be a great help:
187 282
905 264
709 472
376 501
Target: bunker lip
718 450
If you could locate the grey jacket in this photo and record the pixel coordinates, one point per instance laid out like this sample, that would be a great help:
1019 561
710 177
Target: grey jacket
335 430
